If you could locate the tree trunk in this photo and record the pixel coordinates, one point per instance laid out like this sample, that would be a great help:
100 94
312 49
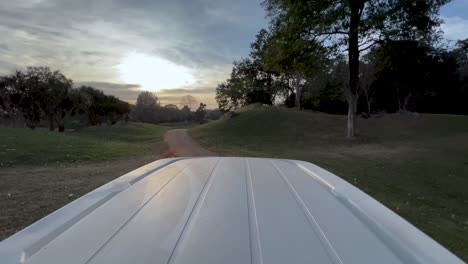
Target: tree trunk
30 121
298 92
353 61
51 122
368 102
351 115
60 120
397 86
406 101
30 125
297 102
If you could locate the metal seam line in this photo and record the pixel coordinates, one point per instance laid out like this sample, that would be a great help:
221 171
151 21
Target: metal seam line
126 222
311 219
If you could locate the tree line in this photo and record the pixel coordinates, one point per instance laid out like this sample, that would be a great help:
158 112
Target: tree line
351 56
148 109
40 95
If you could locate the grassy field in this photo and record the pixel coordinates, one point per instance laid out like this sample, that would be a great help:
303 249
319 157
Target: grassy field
26 147
42 171
415 165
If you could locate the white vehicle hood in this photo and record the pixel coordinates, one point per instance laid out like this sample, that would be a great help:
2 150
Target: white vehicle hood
224 210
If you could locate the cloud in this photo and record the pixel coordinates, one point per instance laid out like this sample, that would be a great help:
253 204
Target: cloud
86 39
125 92
93 53
188 91
455 28
4 47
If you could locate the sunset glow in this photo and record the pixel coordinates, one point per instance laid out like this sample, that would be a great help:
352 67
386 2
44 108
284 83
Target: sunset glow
153 73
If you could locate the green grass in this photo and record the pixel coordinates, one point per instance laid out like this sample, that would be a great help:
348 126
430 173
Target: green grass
20 146
417 166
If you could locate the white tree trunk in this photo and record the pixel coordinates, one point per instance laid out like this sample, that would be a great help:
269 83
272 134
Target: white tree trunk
352 115
298 91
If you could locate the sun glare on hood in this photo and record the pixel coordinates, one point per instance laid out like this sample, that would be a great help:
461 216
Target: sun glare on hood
153 73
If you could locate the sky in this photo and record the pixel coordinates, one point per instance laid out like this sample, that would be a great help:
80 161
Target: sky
171 47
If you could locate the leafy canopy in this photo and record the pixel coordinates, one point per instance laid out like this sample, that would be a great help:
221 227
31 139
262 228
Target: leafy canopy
378 20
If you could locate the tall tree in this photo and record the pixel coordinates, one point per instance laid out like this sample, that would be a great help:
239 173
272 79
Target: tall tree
5 97
147 99
200 113
186 113
403 65
248 83
54 89
100 108
461 54
75 102
297 59
269 80
188 100
356 25
25 96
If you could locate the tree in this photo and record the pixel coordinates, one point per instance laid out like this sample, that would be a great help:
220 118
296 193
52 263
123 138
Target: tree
269 80
200 113
224 96
357 25
147 99
368 70
54 89
233 92
186 113
75 102
5 98
25 96
297 59
100 108
189 101
460 53
94 104
146 108
248 84
171 106
263 76
154 113
402 64
116 109
38 91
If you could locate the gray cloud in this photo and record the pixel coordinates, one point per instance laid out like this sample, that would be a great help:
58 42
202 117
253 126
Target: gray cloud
86 39
4 47
165 99
93 53
188 91
126 92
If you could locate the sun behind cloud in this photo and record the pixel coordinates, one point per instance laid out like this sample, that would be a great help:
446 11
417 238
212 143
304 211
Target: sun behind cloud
154 73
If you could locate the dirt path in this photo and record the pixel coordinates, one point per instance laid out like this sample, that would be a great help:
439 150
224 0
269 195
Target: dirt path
181 144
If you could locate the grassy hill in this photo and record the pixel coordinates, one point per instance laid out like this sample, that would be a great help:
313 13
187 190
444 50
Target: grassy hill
415 165
19 146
